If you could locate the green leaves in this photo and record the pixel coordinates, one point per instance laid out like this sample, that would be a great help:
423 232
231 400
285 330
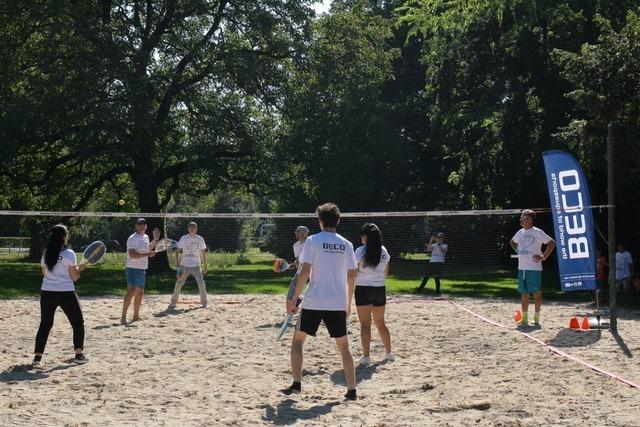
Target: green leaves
404 104
605 89
176 96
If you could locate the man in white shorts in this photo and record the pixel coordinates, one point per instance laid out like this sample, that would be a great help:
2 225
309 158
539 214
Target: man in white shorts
192 260
330 261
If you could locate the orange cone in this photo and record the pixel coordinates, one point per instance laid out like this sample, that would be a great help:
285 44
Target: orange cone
517 316
585 323
573 323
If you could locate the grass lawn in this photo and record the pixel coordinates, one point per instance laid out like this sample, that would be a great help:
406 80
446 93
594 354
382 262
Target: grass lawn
248 273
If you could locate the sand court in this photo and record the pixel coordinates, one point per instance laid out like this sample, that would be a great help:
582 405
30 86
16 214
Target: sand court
222 366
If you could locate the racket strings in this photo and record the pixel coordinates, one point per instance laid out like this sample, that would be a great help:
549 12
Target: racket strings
94 252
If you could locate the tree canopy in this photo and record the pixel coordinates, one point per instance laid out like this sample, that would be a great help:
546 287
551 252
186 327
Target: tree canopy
377 105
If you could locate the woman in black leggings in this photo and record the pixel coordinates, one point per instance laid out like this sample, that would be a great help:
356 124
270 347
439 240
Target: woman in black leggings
438 250
60 270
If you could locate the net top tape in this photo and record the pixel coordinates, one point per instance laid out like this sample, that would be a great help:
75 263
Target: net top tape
257 215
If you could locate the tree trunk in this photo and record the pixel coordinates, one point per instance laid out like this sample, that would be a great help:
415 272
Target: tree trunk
148 201
39 229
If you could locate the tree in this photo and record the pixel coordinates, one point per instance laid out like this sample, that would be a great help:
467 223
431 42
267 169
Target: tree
158 97
606 89
337 120
173 95
493 97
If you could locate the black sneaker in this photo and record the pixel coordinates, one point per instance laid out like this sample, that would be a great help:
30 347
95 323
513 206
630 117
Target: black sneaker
293 388
351 395
81 359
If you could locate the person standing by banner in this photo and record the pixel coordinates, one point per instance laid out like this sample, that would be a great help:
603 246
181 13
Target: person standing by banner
528 243
624 271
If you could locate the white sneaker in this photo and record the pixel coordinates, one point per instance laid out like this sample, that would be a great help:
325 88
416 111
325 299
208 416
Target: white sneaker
81 359
364 360
389 357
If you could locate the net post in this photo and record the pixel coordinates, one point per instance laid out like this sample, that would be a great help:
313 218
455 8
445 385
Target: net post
611 217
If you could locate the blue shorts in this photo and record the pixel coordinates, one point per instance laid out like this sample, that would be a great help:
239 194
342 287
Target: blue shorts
529 281
135 277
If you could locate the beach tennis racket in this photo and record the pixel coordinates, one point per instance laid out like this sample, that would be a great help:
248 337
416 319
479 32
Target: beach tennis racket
94 253
286 323
169 246
165 244
280 265
172 257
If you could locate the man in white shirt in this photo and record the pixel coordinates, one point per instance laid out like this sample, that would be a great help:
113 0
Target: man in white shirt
528 242
329 261
192 260
301 236
139 250
624 270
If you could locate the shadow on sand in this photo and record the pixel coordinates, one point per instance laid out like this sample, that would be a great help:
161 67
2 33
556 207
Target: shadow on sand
286 414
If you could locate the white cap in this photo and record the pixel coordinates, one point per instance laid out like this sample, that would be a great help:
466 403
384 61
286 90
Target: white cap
302 229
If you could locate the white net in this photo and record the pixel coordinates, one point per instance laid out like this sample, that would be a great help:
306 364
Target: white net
243 247
477 240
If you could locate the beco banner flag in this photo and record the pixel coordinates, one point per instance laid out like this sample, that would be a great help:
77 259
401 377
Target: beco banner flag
572 221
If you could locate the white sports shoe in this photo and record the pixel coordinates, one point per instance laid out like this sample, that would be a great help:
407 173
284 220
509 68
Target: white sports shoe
364 360
389 357
81 359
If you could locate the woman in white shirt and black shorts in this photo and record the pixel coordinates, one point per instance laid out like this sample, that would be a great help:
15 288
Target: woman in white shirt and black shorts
371 295
60 270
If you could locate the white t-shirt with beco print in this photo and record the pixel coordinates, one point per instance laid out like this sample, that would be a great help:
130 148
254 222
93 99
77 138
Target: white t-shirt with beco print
191 248
529 245
331 256
372 276
58 278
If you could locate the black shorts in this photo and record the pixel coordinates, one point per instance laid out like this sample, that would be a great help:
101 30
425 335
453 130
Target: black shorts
335 322
434 269
371 295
